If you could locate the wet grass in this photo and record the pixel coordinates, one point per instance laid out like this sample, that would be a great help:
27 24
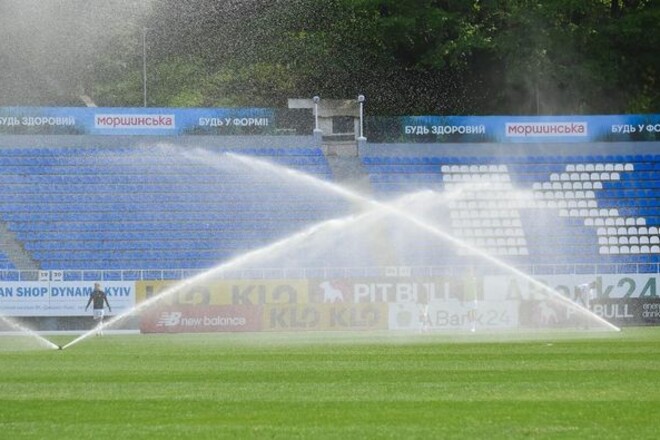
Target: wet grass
339 386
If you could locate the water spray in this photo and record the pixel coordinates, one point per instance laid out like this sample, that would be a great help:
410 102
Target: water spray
16 326
424 225
289 241
372 205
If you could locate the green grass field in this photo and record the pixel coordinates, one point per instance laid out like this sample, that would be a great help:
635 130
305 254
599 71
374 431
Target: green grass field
339 386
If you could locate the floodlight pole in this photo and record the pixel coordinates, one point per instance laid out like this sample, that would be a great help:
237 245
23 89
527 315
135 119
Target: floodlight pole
361 139
144 65
318 133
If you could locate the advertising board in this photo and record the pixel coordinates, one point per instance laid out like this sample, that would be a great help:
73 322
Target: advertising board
61 298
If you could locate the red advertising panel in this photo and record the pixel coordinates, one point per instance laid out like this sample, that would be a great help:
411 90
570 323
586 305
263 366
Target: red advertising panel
192 319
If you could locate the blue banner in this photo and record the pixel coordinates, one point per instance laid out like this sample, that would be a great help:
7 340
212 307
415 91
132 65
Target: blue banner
515 129
135 121
257 121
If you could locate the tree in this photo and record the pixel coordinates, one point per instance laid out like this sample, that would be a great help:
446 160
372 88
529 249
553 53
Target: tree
574 56
50 50
406 56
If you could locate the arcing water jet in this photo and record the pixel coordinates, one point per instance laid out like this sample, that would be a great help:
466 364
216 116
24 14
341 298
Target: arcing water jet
395 210
22 329
278 246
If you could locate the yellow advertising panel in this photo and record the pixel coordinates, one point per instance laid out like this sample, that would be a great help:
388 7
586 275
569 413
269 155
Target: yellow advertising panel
325 317
225 292
393 290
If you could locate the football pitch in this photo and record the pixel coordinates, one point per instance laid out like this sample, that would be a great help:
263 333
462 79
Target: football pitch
342 386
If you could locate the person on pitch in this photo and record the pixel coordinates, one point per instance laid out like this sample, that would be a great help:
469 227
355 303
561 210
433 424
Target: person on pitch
98 299
425 323
470 296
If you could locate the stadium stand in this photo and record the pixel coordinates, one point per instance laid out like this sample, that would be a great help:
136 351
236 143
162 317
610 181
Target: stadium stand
136 208
149 208
548 209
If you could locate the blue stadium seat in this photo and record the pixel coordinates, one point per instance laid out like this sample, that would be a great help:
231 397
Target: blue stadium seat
69 204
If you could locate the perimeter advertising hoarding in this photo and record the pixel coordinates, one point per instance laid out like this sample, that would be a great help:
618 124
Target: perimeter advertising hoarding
135 121
515 129
302 291
61 298
610 286
628 311
455 315
325 317
225 292
394 289
237 121
268 305
391 303
630 299
201 319
287 305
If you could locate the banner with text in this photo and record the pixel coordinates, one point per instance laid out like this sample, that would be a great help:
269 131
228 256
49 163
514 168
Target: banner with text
630 299
514 129
201 319
455 315
226 292
136 121
61 298
458 303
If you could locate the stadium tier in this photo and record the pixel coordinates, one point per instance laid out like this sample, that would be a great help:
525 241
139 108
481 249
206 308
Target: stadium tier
569 209
166 208
150 208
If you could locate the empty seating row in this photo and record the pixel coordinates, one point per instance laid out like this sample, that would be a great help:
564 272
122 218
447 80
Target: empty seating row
119 151
77 188
121 177
145 216
630 230
560 197
267 226
146 244
504 159
616 250
135 235
119 162
624 239
247 207
134 207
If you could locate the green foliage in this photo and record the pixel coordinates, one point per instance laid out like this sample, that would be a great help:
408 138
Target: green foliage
567 57
406 56
176 82
257 84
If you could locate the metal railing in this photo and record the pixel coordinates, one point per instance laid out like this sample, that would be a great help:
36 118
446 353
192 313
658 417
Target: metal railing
321 272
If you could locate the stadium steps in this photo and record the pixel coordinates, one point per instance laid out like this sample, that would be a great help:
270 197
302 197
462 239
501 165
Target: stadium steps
14 250
350 172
